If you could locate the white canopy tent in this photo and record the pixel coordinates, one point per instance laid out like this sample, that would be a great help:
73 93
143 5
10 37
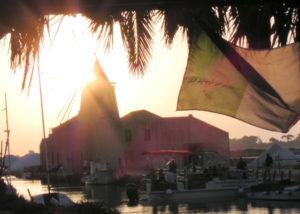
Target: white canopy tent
281 158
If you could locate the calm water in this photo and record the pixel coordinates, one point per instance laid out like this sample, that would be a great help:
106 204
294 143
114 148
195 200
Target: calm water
115 196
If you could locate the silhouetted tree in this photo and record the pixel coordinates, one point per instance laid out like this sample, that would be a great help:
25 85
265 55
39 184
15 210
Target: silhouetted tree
254 24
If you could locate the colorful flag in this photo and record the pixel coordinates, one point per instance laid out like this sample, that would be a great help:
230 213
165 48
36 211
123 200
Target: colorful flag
260 87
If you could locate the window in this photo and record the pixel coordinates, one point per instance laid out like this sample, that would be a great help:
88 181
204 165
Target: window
147 134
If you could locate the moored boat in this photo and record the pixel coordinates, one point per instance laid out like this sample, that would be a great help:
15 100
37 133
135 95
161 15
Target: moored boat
99 178
195 179
100 174
55 199
212 189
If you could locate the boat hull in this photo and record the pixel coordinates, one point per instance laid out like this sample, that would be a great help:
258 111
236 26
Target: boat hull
57 199
192 194
213 189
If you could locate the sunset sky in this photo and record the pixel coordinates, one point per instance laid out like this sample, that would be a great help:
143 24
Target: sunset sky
66 66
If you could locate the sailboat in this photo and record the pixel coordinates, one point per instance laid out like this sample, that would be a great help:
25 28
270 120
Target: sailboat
10 190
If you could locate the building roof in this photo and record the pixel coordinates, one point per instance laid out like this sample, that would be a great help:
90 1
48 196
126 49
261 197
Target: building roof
140 114
144 114
74 120
98 99
99 72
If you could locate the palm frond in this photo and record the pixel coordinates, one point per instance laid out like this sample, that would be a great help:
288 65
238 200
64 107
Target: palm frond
264 26
103 25
284 24
127 25
173 20
137 33
258 25
144 34
25 45
256 29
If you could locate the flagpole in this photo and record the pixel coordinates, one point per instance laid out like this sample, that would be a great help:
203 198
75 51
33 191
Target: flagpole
44 142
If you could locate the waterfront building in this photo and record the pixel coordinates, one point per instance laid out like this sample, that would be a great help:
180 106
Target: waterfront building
63 146
98 135
145 131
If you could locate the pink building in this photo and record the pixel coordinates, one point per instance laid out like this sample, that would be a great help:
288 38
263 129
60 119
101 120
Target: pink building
92 135
145 131
63 146
98 134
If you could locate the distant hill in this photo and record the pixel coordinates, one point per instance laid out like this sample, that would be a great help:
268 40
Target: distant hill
255 143
30 159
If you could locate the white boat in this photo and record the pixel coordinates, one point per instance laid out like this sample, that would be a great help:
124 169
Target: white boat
54 199
100 173
212 189
287 194
99 178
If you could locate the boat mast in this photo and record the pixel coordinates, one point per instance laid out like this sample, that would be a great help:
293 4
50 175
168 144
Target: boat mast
7 136
44 143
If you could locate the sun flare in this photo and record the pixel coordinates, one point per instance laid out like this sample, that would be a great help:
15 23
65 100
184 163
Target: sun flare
67 69
68 57
66 65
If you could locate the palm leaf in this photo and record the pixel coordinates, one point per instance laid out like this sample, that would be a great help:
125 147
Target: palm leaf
137 33
103 25
25 45
127 25
259 25
172 21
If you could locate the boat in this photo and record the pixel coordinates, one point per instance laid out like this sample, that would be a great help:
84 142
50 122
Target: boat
54 199
194 181
100 174
181 190
99 178
287 194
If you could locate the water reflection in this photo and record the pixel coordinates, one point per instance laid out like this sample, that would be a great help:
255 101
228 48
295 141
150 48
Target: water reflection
287 207
224 205
115 196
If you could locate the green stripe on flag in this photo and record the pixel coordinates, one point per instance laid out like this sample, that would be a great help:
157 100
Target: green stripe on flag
211 82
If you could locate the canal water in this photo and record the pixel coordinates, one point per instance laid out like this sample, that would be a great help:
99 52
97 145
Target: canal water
115 196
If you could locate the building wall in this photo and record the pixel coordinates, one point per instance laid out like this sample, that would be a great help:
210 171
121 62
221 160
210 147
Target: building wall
99 119
173 133
123 145
94 134
98 134
63 146
211 138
